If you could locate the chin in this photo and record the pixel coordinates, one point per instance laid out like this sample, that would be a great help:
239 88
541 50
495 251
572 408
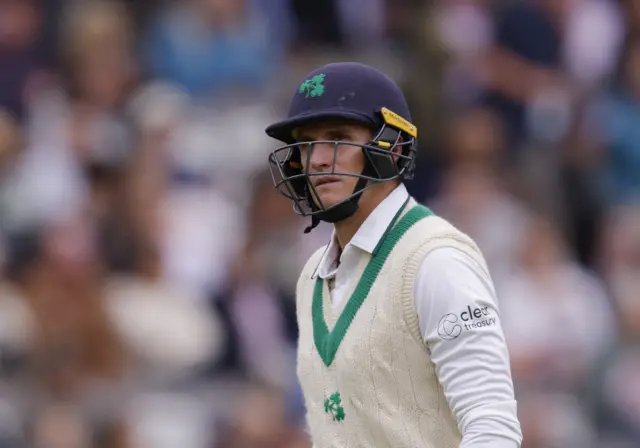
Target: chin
332 194
331 199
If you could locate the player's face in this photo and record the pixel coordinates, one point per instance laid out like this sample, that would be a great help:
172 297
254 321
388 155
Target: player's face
325 158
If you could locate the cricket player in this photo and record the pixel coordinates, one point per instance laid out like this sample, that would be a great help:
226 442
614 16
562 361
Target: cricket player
400 341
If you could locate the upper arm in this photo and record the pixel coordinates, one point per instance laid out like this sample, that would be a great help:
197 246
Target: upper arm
451 285
459 321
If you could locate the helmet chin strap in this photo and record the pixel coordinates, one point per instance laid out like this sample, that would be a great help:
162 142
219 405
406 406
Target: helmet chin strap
339 212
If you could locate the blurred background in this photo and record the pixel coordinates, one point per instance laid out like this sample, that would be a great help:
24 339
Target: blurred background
147 266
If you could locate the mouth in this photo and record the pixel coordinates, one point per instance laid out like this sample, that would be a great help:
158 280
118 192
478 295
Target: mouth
324 180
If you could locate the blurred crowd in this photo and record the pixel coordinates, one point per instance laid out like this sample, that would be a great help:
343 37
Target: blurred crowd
147 266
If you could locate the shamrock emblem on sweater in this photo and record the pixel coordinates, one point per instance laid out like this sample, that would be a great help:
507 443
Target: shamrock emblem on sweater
313 87
332 406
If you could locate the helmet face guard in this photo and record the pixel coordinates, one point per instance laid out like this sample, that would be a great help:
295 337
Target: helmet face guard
389 155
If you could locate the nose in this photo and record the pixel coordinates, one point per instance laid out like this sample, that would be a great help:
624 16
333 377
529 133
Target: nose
321 157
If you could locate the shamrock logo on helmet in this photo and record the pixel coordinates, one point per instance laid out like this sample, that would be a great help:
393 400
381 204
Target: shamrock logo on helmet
313 87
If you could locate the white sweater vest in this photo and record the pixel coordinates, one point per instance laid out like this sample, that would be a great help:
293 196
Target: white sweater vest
366 374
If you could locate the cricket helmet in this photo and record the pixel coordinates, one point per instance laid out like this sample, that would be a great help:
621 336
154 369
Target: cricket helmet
353 93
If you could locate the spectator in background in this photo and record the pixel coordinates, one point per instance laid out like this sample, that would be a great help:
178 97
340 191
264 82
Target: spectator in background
58 427
591 43
555 420
258 420
313 32
362 22
24 53
11 147
614 390
97 46
170 332
65 426
77 125
259 300
519 71
466 30
556 315
534 83
213 46
16 319
619 118
631 10
74 355
475 192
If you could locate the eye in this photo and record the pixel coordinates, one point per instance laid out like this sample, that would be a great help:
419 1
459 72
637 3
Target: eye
304 149
340 135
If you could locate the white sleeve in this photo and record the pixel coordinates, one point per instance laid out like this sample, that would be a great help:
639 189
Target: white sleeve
458 314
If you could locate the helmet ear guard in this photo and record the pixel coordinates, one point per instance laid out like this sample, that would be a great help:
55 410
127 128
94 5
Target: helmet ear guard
292 173
382 161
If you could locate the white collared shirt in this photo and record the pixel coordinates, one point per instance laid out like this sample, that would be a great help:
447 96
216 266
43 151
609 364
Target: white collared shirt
473 368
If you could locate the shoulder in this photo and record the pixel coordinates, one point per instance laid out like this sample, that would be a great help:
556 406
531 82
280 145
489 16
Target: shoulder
446 257
448 269
434 245
434 232
440 250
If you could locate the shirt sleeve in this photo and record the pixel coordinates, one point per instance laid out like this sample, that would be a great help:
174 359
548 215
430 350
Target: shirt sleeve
458 314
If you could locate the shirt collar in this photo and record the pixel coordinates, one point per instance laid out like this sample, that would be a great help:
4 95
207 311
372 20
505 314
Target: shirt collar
368 235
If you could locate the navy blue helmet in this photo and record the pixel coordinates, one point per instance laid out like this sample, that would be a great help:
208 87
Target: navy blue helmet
346 92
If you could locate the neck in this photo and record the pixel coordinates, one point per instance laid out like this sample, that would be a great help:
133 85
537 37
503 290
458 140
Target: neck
347 228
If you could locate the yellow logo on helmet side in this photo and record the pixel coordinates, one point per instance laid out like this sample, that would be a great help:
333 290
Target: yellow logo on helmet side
395 120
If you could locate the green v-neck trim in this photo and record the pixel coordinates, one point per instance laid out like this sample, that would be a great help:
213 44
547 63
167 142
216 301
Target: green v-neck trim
327 342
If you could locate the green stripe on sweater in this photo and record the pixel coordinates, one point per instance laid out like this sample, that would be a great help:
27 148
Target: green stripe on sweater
327 342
